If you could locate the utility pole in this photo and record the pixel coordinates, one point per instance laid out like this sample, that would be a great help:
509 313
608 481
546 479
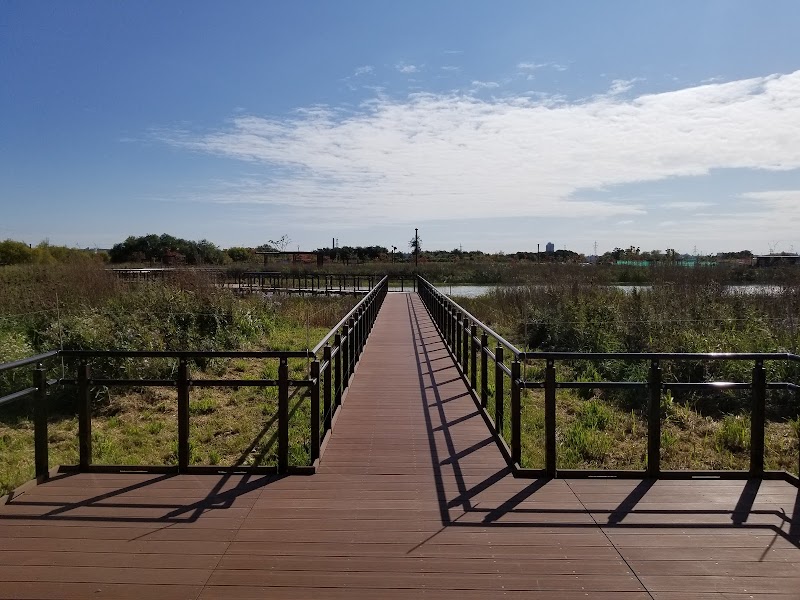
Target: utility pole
416 256
416 247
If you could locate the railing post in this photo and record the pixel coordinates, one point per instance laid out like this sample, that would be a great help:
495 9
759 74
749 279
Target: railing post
484 370
183 416
453 334
41 459
654 421
465 347
337 371
344 351
444 317
550 418
498 390
516 409
84 417
362 330
283 415
354 320
326 394
352 348
459 332
757 420
473 358
315 416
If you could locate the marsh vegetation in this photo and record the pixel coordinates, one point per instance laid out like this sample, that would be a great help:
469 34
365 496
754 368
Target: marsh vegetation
85 307
607 429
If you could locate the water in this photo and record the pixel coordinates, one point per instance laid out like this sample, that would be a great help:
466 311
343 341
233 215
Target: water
473 291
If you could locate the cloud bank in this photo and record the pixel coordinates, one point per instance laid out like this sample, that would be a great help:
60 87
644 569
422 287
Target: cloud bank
440 156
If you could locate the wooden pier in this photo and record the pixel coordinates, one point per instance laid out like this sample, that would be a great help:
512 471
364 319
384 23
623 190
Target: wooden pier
412 499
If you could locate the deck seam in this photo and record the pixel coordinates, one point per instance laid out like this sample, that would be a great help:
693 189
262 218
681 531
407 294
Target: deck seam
613 545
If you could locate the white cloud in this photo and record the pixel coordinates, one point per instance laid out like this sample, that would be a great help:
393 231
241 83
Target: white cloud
451 68
406 68
365 70
534 66
531 66
620 86
440 156
687 205
482 85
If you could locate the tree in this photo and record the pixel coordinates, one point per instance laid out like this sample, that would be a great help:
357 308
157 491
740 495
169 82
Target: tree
13 253
416 245
280 244
240 254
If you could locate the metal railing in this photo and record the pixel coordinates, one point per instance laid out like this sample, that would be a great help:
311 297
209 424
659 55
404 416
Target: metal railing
467 339
332 363
304 283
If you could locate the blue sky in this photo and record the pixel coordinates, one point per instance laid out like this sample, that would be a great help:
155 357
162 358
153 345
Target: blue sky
491 125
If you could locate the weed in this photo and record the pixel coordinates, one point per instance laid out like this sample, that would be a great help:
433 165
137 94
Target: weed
155 427
202 406
668 441
595 415
733 434
589 444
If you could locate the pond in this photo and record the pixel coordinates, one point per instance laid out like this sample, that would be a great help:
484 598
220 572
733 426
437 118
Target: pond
475 290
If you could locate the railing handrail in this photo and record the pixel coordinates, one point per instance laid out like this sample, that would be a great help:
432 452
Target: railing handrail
500 339
27 361
459 331
186 354
349 315
749 356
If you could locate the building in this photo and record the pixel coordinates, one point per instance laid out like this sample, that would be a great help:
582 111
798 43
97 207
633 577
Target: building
775 260
550 247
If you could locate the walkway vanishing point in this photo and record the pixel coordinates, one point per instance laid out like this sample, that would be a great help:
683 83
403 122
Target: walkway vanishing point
412 499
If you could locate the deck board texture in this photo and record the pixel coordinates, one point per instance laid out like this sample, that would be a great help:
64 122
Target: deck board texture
412 499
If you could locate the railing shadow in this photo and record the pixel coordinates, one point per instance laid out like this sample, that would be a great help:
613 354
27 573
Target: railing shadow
217 498
512 512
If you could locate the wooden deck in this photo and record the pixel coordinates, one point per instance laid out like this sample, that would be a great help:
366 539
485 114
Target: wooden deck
412 499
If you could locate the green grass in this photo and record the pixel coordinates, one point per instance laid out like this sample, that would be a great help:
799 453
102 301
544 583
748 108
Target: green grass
138 426
608 429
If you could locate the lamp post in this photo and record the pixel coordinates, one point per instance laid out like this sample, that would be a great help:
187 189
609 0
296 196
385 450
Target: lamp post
416 256
394 248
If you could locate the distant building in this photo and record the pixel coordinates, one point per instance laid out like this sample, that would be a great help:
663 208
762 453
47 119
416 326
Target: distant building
776 260
550 247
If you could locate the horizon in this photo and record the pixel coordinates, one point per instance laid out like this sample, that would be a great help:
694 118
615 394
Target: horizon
487 126
423 249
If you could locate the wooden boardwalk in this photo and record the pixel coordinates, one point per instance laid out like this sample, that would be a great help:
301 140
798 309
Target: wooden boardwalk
412 499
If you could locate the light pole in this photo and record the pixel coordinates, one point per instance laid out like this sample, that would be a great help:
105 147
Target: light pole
394 248
416 256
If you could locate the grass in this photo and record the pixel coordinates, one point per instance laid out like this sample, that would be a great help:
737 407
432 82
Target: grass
138 426
608 429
